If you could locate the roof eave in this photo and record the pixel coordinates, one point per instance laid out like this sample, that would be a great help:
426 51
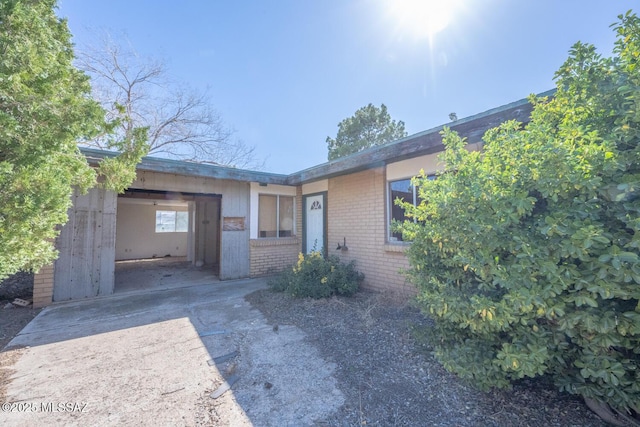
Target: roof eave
472 128
427 142
178 167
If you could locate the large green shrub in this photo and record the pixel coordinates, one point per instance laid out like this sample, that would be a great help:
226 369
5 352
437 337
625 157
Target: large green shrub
318 277
45 110
526 254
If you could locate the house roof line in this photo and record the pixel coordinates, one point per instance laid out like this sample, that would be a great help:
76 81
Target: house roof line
181 167
422 143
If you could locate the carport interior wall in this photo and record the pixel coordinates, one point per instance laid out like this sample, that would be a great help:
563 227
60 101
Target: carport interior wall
139 236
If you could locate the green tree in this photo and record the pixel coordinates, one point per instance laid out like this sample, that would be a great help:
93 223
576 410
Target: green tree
527 254
368 127
45 110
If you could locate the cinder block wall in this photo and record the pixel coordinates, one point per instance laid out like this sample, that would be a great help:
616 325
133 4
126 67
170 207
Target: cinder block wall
357 212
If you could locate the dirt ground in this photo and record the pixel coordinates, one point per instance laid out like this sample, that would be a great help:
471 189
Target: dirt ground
12 317
386 377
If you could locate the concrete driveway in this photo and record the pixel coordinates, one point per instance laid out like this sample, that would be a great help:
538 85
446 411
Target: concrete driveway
155 358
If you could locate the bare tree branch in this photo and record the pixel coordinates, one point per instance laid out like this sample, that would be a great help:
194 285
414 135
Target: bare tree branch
137 92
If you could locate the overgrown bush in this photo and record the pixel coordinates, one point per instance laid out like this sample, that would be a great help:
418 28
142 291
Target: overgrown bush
318 277
526 254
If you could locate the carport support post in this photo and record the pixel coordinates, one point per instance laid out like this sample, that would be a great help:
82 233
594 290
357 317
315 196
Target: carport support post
43 286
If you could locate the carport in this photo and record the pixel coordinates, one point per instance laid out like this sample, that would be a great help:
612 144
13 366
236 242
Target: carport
195 213
161 235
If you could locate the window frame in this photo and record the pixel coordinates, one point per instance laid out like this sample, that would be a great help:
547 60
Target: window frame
175 221
390 203
293 225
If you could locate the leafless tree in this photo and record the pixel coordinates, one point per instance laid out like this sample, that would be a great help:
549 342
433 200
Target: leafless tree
139 92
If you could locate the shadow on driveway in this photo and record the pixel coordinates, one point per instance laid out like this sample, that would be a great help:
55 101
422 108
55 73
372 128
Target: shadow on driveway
147 359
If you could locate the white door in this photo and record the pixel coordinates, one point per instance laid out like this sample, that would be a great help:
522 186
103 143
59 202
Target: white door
314 224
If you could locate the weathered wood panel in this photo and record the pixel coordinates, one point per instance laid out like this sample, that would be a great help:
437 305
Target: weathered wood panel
86 262
234 256
212 244
207 231
107 245
233 223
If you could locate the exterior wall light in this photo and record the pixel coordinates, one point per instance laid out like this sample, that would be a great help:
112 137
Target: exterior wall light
342 247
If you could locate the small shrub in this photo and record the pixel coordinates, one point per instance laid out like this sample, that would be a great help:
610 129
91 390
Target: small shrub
318 277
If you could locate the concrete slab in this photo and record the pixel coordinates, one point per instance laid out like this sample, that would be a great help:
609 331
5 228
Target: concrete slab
142 359
160 273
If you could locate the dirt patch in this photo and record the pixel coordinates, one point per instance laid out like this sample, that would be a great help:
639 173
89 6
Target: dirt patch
12 317
20 285
387 378
12 320
7 359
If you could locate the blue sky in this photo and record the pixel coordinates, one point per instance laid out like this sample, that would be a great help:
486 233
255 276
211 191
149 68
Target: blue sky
284 73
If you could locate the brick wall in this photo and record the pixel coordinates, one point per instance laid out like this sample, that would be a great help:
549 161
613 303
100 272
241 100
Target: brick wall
270 256
299 218
357 212
43 287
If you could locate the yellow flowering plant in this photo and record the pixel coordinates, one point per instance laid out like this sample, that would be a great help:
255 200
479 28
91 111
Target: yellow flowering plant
315 276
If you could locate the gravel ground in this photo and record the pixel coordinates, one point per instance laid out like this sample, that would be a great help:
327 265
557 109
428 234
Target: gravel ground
20 285
391 380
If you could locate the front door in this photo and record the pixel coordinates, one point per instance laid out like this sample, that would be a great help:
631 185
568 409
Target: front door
314 224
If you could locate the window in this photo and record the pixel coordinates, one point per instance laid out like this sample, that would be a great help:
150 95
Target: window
172 222
404 190
275 216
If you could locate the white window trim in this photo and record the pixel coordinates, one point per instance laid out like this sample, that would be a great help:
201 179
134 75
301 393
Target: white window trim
277 196
256 190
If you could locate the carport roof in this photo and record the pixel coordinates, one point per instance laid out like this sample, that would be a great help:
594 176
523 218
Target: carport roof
181 167
426 142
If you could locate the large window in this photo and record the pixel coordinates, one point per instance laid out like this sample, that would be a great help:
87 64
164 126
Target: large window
404 190
172 222
275 216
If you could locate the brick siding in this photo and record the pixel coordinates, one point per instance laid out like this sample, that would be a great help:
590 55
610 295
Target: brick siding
269 256
357 212
43 287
